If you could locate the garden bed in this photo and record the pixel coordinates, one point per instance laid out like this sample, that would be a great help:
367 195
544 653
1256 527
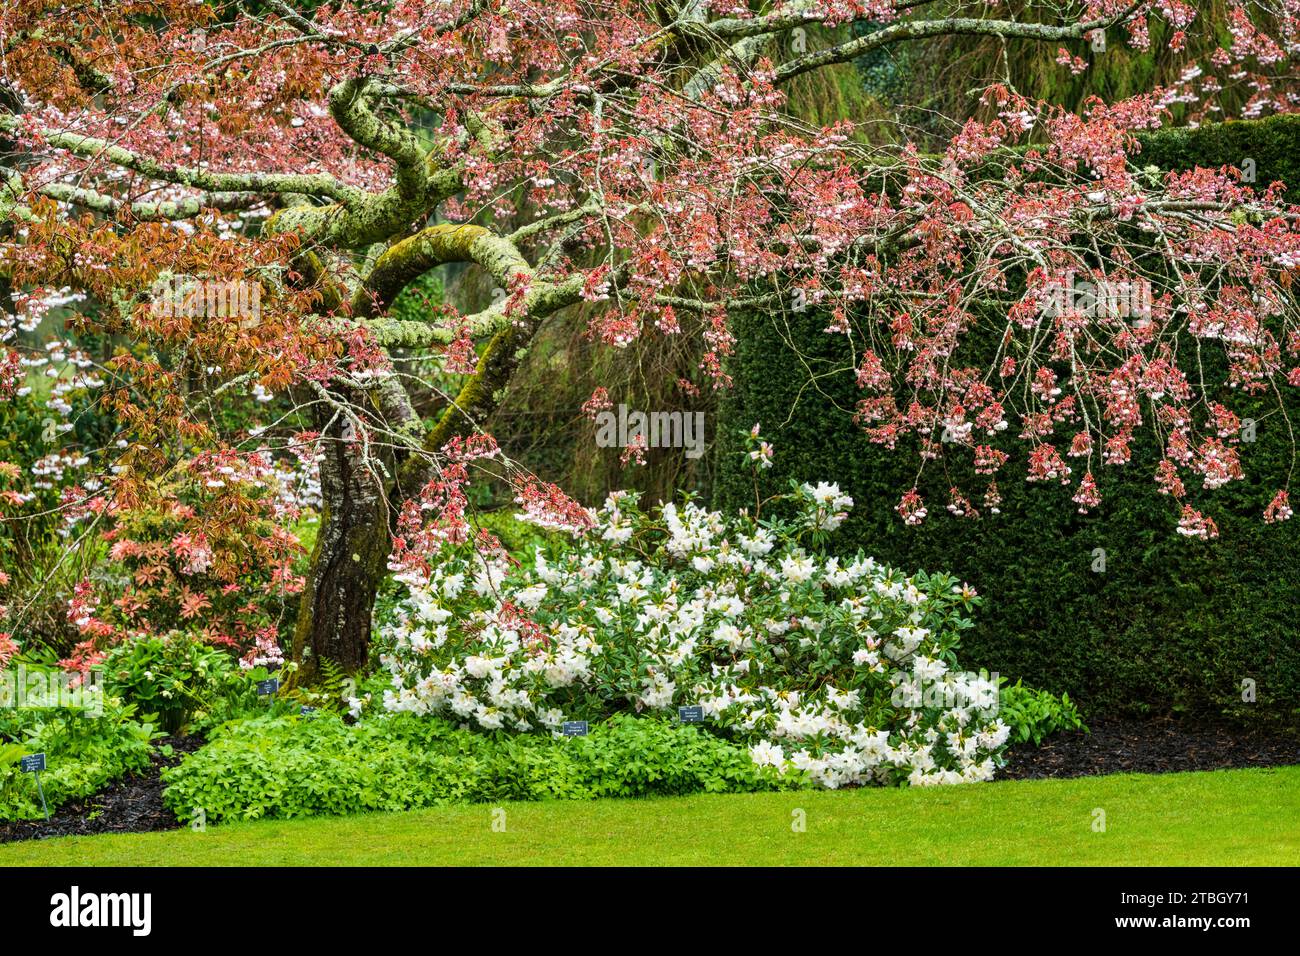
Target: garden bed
133 804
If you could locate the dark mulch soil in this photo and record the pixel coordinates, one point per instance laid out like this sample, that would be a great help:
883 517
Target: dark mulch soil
131 805
1148 746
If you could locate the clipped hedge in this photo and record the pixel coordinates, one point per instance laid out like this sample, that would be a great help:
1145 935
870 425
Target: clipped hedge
1171 626
1273 143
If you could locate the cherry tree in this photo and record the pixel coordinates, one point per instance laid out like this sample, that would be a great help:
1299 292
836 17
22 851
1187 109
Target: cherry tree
237 193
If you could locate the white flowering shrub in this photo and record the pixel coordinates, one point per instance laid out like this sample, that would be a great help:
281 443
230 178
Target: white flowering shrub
839 670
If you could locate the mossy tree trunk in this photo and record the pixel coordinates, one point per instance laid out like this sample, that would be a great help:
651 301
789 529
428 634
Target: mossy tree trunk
361 500
347 565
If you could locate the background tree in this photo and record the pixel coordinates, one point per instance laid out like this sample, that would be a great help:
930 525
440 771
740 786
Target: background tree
628 162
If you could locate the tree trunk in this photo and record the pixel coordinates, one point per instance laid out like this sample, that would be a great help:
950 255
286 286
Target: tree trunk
352 546
347 565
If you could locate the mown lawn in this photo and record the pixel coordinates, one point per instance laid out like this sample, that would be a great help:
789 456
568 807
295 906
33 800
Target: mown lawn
1237 817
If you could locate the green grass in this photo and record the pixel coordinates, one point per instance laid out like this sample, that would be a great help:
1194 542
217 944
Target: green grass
1238 817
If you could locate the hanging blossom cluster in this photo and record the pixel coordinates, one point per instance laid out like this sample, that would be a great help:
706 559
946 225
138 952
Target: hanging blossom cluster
1241 66
1089 353
838 669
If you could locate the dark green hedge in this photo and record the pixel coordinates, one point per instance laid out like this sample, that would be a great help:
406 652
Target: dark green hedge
1273 143
1172 626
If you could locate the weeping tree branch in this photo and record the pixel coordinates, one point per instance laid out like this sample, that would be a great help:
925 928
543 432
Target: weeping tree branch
90 147
749 36
143 210
950 26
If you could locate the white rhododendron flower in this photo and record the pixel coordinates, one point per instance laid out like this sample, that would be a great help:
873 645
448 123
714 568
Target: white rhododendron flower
831 670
